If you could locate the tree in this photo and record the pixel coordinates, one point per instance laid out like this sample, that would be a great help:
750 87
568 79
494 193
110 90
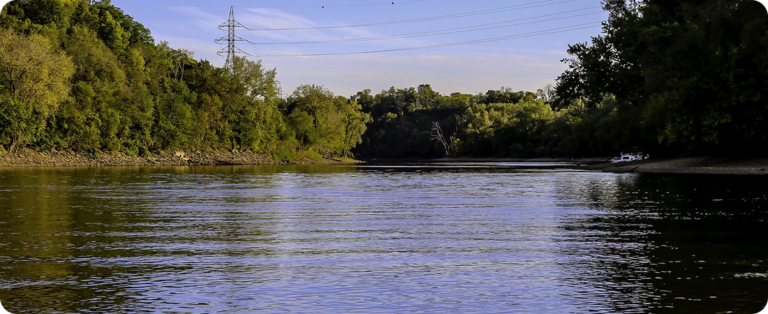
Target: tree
44 12
33 82
328 124
687 75
355 121
112 32
99 103
256 119
114 90
173 115
546 94
436 134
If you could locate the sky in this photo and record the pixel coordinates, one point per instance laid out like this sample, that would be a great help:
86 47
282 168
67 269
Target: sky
467 46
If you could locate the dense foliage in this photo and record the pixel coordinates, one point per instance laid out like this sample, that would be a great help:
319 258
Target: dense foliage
689 77
665 77
418 122
669 78
84 76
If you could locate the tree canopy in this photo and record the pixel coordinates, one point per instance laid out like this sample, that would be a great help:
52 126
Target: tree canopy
689 76
669 78
83 75
33 82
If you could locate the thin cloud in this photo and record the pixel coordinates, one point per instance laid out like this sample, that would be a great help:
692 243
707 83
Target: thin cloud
263 18
274 18
203 19
256 18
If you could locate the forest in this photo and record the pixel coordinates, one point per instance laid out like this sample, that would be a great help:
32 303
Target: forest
84 76
667 78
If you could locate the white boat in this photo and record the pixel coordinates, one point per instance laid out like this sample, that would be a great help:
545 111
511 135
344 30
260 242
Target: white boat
630 157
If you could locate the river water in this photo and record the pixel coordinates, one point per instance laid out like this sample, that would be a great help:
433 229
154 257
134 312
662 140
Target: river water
432 238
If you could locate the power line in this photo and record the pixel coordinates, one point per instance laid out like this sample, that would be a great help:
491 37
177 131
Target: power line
381 3
462 43
372 4
427 19
454 30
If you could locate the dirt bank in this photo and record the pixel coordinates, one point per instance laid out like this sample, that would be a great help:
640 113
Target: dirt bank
31 158
695 165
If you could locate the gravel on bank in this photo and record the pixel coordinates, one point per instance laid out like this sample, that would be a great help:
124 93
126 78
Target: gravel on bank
32 158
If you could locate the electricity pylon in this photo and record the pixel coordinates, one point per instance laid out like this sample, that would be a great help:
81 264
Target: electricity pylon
230 25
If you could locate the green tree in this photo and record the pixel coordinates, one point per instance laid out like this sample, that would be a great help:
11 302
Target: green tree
112 32
129 95
257 121
101 94
330 125
687 76
33 82
173 115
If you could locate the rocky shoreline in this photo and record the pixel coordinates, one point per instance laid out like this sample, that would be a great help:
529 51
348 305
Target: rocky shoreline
32 158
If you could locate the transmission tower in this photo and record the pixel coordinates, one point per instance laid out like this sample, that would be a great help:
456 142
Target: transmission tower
229 26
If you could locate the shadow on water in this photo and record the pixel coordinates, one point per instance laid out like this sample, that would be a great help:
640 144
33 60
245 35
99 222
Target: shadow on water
671 243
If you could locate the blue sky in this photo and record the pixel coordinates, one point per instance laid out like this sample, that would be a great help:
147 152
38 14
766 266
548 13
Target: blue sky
526 63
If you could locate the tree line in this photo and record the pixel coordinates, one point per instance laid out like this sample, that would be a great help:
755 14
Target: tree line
686 77
84 76
668 78
421 123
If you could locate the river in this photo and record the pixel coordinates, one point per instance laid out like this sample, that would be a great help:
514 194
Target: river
403 238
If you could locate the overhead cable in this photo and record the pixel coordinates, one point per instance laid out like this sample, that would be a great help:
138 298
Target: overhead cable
379 3
454 30
427 19
462 43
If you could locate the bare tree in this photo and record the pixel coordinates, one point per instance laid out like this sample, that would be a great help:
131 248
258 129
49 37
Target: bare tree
547 94
437 135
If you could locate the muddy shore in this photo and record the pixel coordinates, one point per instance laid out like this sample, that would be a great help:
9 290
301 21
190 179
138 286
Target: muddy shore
31 158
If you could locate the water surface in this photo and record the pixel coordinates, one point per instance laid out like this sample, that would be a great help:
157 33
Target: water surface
434 238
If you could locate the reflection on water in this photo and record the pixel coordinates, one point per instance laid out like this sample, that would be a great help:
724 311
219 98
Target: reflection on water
475 237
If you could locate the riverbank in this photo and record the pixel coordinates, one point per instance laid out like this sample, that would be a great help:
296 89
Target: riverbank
578 161
32 158
693 165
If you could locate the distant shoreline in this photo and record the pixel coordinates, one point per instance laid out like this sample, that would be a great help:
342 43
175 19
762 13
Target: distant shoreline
472 159
690 165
